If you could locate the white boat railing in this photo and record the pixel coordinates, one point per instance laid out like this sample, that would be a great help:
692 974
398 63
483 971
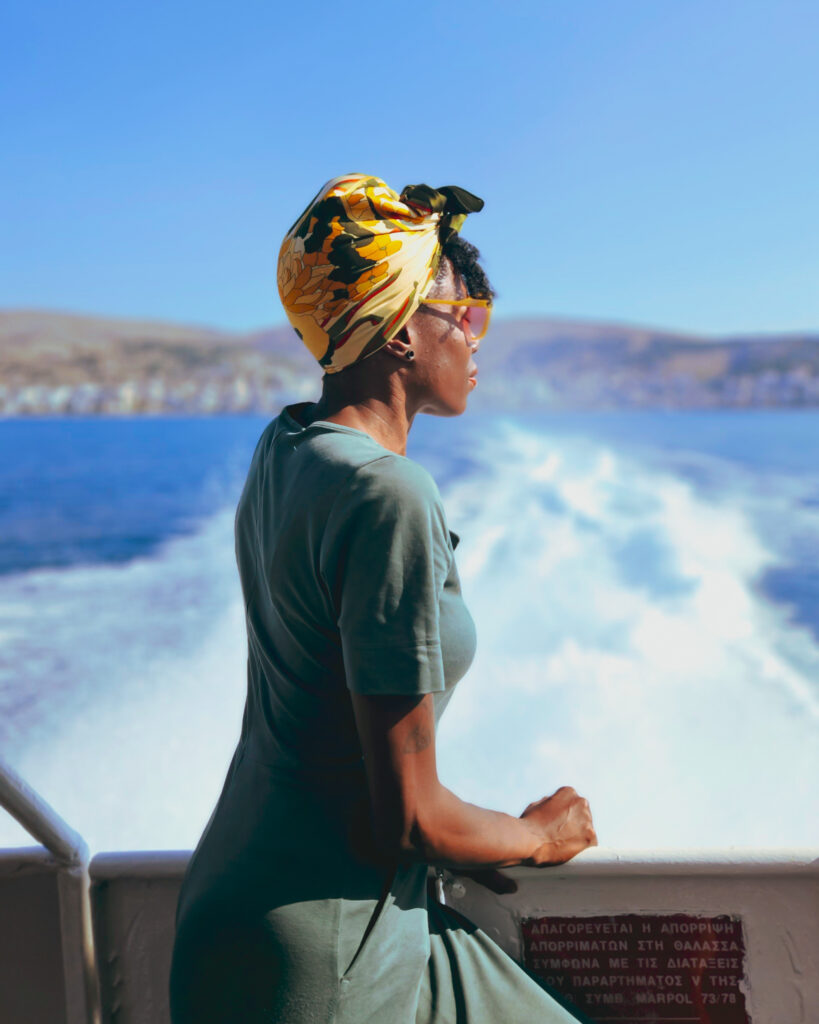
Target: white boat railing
719 935
71 859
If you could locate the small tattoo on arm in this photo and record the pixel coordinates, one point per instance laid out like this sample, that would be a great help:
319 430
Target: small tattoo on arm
419 739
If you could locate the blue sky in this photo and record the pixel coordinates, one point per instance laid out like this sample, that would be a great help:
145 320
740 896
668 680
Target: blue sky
648 161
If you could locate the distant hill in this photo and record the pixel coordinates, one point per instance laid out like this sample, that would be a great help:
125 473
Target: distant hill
67 363
58 363
590 365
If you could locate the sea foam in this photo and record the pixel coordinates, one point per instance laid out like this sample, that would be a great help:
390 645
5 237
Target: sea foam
625 647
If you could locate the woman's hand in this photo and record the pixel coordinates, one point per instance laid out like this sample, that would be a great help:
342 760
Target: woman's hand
566 824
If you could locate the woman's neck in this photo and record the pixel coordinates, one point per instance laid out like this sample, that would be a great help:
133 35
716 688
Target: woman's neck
386 423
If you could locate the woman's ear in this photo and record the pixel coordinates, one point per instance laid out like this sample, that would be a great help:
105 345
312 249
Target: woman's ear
401 343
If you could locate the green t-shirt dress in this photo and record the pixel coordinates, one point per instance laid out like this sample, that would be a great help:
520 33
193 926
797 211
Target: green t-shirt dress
349 583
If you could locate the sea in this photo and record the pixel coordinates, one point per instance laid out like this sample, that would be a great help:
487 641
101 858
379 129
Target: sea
645 587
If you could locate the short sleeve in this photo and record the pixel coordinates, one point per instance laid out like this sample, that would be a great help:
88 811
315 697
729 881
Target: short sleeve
385 555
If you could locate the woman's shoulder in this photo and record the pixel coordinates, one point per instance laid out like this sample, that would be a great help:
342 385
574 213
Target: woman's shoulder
355 460
392 479
388 494
390 507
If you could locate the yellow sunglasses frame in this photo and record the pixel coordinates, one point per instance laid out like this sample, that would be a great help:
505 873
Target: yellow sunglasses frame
486 303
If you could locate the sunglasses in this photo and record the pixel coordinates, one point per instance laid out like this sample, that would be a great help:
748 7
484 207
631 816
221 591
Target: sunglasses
476 315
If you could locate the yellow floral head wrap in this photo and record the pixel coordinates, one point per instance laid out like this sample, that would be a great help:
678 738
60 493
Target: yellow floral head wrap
356 264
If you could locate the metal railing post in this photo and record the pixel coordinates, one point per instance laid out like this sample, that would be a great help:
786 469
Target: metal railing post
70 851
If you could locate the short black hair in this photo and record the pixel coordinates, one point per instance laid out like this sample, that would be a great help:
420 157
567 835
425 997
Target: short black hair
464 259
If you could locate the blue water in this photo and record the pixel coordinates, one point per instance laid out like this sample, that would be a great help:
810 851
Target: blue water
77 491
645 588
91 490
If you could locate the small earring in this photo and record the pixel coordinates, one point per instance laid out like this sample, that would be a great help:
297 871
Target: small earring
410 354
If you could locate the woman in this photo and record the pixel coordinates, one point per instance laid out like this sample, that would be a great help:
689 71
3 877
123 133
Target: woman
306 897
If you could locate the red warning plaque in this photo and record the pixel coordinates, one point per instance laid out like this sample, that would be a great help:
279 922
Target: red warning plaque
633 967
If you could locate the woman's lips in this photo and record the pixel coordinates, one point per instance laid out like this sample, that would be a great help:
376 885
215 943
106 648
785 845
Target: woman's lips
473 373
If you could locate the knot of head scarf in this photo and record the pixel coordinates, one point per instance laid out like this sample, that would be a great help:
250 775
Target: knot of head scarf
356 264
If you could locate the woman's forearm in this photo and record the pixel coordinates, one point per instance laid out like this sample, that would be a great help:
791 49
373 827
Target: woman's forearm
456 834
412 815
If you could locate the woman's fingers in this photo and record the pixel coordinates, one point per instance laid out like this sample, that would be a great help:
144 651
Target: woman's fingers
564 793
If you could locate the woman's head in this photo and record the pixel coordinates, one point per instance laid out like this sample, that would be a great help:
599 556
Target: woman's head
356 264
358 274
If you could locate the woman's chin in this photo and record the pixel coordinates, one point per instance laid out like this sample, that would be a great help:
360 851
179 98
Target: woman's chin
452 404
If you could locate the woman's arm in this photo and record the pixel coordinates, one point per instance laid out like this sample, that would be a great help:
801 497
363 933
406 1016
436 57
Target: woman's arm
414 815
384 559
